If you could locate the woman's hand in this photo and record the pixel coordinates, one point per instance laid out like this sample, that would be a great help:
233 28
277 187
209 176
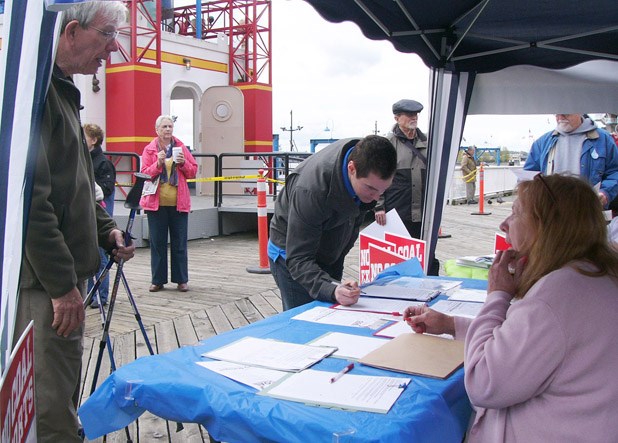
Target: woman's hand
423 319
505 272
180 158
161 158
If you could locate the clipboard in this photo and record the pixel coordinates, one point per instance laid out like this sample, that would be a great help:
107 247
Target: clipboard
418 354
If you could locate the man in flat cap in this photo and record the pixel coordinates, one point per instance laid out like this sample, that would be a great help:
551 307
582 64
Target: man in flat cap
407 192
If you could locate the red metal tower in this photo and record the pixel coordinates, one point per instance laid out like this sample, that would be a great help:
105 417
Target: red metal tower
133 80
246 24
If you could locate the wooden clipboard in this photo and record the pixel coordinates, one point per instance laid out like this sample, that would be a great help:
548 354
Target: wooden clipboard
418 354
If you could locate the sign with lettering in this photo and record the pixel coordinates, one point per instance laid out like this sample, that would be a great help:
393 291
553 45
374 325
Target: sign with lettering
17 393
409 247
380 259
384 246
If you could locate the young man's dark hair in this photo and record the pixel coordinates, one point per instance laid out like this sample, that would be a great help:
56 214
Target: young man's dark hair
374 154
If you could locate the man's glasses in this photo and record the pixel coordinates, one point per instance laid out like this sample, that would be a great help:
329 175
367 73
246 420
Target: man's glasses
109 35
540 177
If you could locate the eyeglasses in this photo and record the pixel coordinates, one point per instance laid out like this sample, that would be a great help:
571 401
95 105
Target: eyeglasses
540 177
109 35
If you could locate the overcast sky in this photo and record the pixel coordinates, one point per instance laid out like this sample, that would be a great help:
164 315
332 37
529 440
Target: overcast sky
331 76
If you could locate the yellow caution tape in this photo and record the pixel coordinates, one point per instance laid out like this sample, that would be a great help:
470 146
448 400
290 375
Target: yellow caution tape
219 179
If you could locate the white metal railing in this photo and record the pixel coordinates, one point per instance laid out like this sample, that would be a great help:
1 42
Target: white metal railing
498 180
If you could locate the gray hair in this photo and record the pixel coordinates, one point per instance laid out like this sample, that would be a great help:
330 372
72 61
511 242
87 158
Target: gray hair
161 118
113 12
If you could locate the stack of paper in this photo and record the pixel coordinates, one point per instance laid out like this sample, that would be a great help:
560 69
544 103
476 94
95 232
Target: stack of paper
272 354
354 392
483 261
408 288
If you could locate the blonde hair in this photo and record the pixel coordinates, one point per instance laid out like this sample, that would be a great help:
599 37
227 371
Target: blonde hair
568 224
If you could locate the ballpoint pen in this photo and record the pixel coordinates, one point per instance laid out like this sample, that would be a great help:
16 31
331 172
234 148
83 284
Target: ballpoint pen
341 373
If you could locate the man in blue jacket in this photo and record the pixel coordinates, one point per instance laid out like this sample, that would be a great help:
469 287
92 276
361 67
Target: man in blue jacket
578 147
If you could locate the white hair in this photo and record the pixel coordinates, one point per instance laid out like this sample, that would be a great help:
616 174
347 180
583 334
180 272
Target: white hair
112 12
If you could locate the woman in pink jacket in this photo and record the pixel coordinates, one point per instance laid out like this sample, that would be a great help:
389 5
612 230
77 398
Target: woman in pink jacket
541 356
167 203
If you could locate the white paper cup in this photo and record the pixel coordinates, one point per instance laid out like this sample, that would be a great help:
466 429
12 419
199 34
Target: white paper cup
175 152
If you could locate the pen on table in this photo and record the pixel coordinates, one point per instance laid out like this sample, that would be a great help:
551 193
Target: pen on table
341 373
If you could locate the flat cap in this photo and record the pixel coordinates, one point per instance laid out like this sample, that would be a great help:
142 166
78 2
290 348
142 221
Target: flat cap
407 106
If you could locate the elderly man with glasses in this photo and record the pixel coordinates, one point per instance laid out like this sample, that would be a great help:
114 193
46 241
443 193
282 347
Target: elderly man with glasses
65 225
578 147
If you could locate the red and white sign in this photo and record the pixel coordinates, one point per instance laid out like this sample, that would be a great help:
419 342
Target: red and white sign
384 246
409 247
500 243
17 393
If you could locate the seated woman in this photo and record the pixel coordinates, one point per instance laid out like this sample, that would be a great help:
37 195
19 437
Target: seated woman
541 357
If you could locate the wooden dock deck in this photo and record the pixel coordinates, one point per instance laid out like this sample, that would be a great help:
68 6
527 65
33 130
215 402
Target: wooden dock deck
224 296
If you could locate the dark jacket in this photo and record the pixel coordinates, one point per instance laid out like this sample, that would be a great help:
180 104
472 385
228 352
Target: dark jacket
104 171
407 192
317 221
64 222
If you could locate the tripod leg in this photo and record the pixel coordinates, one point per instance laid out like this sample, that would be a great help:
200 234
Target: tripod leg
136 313
97 284
105 337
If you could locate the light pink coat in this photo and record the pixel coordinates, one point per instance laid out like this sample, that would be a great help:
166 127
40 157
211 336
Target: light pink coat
151 167
545 369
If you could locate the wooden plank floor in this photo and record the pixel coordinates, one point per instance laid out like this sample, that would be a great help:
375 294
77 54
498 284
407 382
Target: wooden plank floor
224 296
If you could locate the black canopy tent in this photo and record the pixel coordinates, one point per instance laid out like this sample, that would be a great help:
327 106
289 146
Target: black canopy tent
493 57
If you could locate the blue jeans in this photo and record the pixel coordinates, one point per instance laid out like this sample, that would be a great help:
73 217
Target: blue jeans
168 219
292 293
104 286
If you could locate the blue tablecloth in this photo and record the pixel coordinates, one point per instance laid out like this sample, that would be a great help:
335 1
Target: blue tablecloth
173 387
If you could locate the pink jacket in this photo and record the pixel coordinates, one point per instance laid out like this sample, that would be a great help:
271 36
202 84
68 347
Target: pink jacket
187 170
544 368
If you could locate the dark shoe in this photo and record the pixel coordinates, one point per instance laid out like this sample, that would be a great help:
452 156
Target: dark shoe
472 202
155 288
183 287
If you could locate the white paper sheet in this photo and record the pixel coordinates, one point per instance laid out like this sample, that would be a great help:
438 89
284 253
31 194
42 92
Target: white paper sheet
401 327
355 392
272 354
258 378
339 317
349 346
393 225
473 295
459 308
